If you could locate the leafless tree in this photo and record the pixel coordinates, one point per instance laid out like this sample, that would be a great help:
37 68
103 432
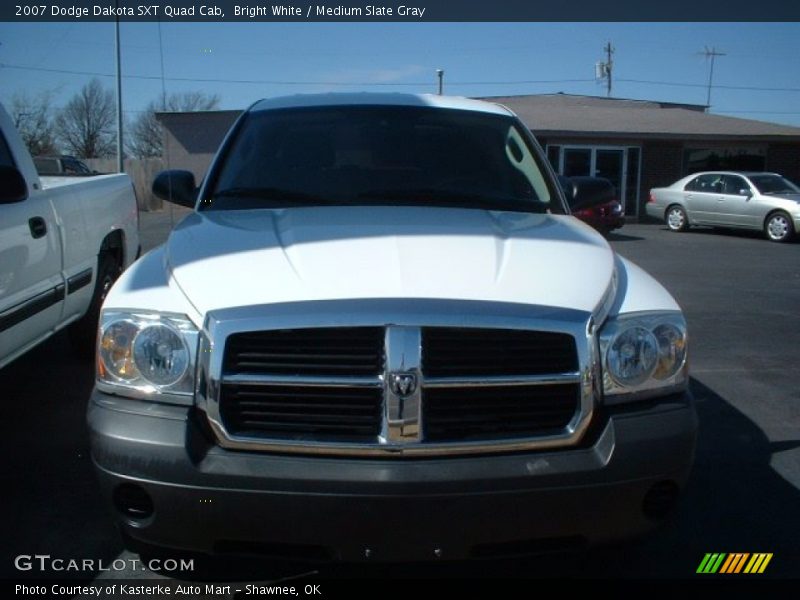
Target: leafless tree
145 137
85 125
33 118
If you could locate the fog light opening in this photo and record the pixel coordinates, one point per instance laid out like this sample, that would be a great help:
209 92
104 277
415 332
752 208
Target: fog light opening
133 501
660 499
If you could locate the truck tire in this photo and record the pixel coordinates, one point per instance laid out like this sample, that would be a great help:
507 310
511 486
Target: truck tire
83 332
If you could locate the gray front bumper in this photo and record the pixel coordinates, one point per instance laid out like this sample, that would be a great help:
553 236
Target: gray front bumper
209 499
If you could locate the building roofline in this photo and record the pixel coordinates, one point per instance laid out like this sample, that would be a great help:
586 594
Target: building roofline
667 136
661 103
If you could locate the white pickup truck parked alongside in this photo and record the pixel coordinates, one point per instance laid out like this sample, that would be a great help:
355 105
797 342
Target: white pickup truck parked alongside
381 336
63 242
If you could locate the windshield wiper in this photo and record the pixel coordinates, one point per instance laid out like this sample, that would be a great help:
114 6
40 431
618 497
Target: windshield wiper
453 198
272 194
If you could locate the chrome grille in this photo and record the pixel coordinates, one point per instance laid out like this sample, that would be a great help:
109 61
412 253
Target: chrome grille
334 389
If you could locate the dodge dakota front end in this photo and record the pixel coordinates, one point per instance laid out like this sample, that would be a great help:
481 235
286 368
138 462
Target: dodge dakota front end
381 336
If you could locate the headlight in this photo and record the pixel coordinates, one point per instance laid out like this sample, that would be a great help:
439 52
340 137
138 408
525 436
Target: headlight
632 356
160 354
147 355
671 350
643 355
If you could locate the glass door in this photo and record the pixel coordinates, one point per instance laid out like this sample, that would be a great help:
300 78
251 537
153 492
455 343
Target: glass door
609 164
620 165
577 161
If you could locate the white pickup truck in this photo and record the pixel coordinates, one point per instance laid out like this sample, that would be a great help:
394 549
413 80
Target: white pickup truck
382 336
63 242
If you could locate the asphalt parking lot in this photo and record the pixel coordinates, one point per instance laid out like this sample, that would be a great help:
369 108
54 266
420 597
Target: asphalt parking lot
741 295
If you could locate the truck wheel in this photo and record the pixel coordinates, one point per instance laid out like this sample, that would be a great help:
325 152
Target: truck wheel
83 332
778 227
677 219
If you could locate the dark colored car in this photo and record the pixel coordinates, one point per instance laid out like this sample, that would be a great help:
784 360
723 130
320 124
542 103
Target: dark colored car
604 217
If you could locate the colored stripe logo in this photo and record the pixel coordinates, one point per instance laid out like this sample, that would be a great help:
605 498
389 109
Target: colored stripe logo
736 562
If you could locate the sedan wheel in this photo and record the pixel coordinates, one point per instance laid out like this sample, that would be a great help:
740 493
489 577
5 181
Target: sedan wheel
676 219
779 227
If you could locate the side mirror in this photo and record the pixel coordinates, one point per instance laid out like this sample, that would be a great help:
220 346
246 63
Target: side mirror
590 191
13 187
745 192
177 187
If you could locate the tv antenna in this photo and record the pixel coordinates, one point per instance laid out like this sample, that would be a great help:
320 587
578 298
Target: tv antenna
712 54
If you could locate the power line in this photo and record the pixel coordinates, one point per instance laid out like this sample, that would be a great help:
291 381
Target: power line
71 72
199 79
415 83
289 82
521 81
702 85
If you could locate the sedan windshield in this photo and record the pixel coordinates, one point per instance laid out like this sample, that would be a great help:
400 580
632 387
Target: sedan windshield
774 184
379 155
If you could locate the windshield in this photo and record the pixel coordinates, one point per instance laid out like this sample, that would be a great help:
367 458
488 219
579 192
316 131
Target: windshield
379 155
773 184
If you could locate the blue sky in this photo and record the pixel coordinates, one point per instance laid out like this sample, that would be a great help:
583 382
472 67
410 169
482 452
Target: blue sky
243 62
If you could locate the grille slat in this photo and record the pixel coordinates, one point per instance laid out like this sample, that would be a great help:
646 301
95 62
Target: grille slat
445 416
306 405
296 368
266 415
348 431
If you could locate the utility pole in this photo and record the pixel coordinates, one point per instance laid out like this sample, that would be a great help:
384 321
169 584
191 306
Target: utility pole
609 65
602 70
712 54
120 161
440 75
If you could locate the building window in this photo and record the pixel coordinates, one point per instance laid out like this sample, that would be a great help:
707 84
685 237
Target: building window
577 161
554 155
724 159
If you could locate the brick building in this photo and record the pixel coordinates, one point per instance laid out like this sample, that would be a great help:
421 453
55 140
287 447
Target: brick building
636 144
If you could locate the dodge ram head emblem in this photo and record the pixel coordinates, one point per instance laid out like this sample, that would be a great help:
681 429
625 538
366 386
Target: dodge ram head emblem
403 384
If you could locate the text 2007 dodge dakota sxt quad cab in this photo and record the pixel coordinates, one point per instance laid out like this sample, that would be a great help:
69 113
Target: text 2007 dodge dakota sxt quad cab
382 336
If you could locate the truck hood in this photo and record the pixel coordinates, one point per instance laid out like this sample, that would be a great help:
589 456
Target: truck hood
223 259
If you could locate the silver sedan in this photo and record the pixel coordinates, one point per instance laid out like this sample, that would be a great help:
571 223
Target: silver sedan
763 201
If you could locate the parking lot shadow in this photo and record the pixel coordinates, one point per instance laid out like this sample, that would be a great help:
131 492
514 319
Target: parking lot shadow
615 236
735 501
724 232
50 495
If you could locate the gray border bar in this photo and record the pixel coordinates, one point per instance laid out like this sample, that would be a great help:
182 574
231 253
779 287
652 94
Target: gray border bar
397 11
